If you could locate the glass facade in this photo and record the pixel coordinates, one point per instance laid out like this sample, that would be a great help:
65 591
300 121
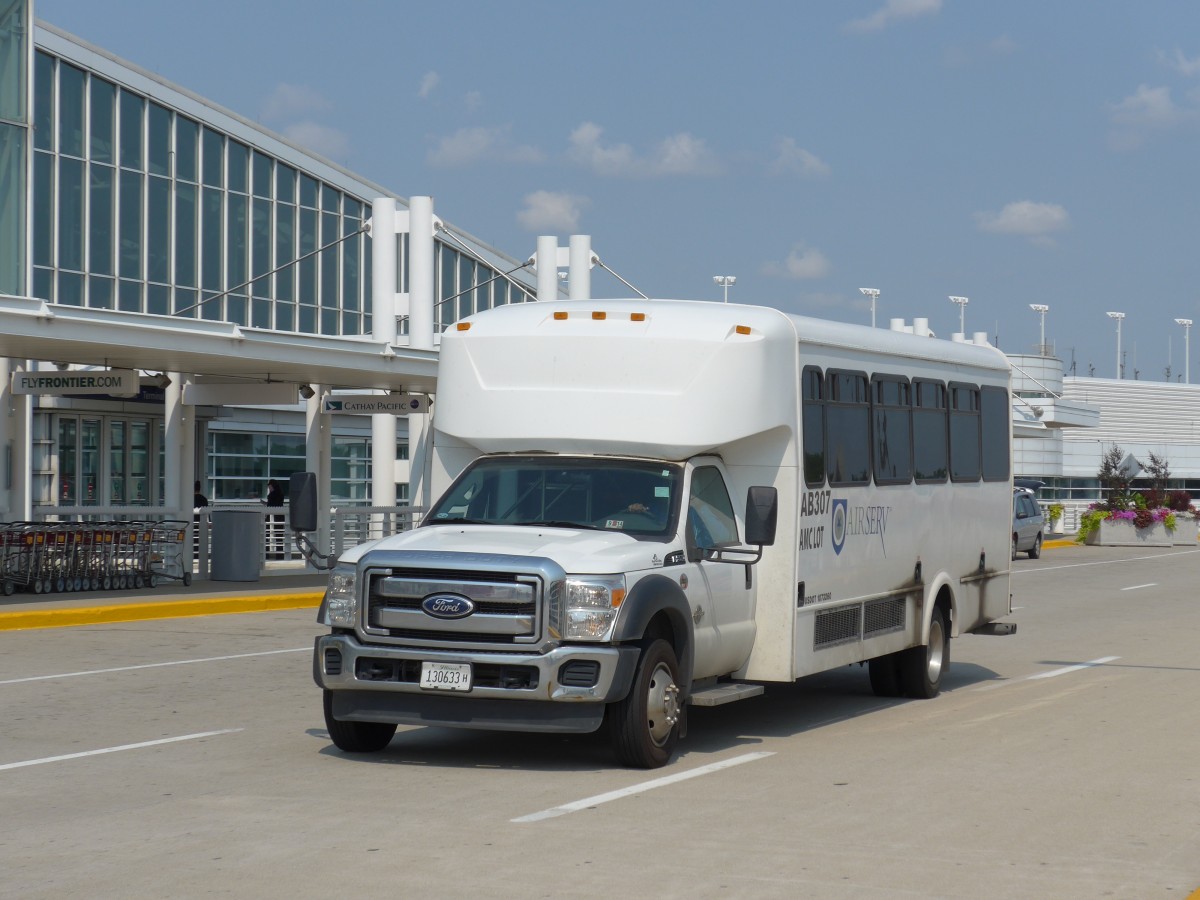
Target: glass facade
14 142
138 207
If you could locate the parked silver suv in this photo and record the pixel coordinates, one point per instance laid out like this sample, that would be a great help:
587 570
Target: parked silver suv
1028 524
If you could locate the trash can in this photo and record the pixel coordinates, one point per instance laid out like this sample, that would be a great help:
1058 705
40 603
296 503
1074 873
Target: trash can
237 545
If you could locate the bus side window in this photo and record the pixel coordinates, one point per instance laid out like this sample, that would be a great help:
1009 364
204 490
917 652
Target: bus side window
964 432
891 429
930 451
813 422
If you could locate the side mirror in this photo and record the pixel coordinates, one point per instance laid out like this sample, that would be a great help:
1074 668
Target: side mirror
762 513
302 501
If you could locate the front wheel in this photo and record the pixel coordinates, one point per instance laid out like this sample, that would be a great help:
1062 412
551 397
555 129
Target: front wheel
645 724
356 737
922 668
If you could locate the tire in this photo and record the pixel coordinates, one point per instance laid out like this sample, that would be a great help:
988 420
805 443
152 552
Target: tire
645 724
885 675
356 737
1036 550
9 588
922 668
1014 547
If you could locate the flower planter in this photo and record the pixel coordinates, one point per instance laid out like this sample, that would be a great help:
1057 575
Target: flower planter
1123 533
1187 531
1058 525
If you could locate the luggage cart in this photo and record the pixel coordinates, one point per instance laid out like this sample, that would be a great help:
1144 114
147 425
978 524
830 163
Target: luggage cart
166 557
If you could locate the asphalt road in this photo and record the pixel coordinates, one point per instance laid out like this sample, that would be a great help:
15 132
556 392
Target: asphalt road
188 758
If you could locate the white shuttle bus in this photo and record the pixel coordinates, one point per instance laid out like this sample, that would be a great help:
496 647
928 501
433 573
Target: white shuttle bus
650 505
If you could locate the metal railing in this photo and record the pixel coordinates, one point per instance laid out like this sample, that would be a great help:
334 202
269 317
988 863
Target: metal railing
277 551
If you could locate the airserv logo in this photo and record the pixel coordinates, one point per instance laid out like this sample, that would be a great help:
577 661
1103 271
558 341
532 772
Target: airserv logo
857 522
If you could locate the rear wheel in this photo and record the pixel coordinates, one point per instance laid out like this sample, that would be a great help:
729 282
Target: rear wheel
645 724
356 737
885 675
922 668
1036 550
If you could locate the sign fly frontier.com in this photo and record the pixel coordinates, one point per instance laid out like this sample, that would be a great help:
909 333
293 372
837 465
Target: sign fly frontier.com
115 382
370 404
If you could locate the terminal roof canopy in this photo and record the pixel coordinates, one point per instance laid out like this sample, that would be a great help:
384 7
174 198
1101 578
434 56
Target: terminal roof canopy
34 329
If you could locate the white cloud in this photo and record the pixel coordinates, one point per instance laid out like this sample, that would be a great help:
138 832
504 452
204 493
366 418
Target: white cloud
554 211
429 83
322 139
1180 63
1026 218
1147 107
803 262
679 154
894 11
290 101
792 159
471 145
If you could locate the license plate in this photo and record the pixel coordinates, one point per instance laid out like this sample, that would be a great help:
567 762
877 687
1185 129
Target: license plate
436 676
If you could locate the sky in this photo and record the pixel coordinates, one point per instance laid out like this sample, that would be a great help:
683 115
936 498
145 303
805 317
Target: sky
1014 153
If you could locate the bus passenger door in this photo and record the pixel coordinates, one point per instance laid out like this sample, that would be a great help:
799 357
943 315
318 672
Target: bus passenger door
710 523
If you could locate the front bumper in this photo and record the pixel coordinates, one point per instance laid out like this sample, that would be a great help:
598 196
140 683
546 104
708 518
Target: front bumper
563 689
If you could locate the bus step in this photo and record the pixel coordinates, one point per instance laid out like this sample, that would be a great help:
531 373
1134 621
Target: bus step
720 694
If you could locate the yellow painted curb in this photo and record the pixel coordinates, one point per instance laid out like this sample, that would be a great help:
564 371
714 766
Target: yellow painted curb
166 609
1060 543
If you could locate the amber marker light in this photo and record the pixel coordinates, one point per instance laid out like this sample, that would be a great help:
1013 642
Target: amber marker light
463 326
742 329
637 317
599 316
559 316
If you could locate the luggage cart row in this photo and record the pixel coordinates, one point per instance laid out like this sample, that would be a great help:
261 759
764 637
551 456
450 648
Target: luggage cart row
89 556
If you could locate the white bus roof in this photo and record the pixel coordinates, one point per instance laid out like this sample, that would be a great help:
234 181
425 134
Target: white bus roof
660 378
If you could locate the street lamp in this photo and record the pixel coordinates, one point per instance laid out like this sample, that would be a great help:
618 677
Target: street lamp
873 293
1118 316
725 281
962 314
1187 345
1042 309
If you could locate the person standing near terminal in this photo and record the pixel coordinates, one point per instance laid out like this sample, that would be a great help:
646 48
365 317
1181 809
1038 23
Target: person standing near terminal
274 497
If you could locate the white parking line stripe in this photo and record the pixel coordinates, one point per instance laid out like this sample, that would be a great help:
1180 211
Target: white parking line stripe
1067 669
1138 587
177 662
992 685
173 740
639 788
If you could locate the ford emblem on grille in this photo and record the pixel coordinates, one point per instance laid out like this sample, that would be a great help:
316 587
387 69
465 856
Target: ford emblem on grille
447 606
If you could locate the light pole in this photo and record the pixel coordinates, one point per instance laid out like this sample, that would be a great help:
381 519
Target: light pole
1118 316
962 314
1187 346
1042 309
725 281
873 293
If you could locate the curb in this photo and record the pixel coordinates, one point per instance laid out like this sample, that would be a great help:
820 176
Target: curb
164 609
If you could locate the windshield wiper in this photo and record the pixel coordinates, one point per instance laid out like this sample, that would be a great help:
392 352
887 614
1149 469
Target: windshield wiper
561 523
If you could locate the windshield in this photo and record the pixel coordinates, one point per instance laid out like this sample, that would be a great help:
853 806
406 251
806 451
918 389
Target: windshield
633 496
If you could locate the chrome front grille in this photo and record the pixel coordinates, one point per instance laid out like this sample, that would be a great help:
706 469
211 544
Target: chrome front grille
505 607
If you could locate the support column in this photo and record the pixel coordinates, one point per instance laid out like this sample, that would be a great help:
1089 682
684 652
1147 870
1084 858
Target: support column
383 329
173 485
420 333
579 269
318 452
547 267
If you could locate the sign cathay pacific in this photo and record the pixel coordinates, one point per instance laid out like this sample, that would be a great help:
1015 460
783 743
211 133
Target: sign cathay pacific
116 382
370 404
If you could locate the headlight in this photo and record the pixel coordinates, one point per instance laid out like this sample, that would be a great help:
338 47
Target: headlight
340 597
592 605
